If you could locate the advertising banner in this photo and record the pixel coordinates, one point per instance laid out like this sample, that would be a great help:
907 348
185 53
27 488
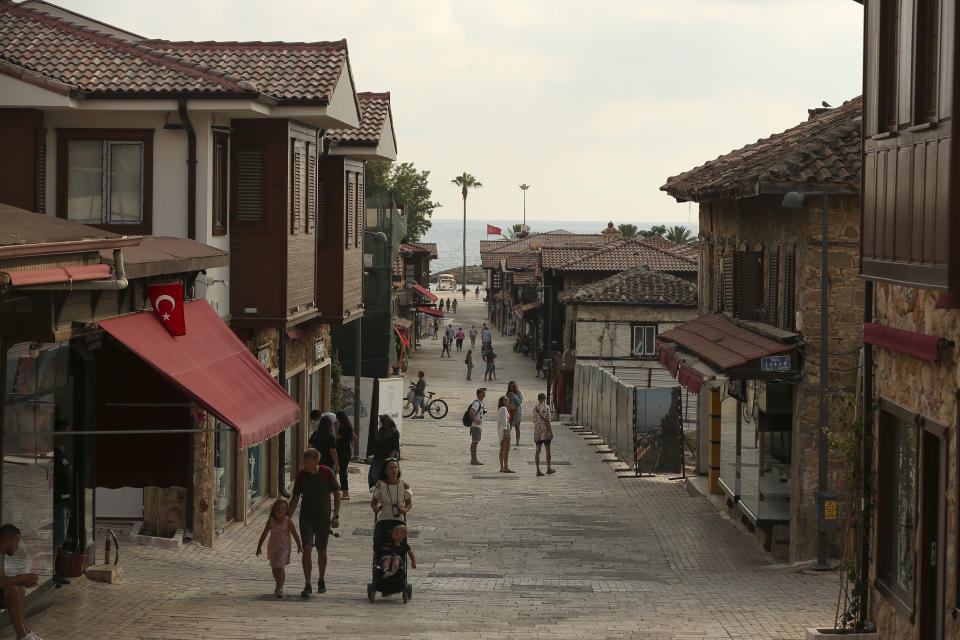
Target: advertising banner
390 400
361 418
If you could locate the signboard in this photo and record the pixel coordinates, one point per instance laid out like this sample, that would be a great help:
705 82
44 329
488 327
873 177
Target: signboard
319 351
657 439
775 363
263 357
390 401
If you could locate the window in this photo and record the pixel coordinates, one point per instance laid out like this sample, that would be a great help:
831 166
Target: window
248 185
926 76
888 54
896 504
221 146
645 340
105 177
748 284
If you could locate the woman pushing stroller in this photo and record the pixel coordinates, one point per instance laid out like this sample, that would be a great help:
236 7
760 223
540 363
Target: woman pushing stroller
391 502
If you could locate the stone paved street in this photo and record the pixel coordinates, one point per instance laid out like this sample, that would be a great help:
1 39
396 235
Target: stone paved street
579 554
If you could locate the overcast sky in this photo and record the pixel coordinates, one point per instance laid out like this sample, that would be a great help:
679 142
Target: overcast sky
594 103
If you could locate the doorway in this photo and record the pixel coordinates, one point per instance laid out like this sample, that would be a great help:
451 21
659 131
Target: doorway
933 463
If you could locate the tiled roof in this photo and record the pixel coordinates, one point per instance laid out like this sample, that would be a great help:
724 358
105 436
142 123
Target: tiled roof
543 240
824 150
554 257
374 111
293 71
414 247
524 278
638 285
432 248
719 341
625 253
42 46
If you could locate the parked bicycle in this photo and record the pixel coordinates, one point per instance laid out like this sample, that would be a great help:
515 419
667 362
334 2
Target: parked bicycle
436 407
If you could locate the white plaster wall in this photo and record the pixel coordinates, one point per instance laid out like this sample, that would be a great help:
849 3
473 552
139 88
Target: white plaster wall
615 322
615 338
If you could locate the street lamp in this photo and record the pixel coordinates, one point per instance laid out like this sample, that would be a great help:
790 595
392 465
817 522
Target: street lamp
524 188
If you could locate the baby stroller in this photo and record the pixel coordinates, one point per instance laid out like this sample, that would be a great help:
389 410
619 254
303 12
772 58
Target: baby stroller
397 583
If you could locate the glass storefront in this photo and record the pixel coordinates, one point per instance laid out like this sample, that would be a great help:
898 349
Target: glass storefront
224 488
290 434
257 471
37 393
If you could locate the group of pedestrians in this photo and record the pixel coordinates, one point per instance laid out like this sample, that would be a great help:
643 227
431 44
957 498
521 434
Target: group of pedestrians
449 304
509 414
316 487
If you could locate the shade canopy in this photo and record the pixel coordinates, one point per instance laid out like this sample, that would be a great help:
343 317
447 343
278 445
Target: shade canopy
213 367
431 312
424 292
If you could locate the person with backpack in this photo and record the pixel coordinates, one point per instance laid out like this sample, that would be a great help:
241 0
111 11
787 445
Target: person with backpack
314 486
474 417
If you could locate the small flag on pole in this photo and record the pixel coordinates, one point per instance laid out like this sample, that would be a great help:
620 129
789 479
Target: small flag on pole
492 230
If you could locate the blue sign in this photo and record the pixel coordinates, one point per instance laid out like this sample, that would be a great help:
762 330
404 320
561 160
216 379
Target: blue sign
775 363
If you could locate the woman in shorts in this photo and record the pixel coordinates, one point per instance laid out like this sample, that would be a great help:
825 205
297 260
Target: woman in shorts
542 433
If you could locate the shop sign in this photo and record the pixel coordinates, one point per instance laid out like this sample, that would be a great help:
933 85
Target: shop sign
319 350
263 356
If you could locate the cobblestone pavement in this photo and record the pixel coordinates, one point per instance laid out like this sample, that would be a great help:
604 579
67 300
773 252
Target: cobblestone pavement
579 554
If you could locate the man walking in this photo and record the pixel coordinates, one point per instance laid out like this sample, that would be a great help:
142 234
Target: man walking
446 346
486 338
315 483
476 428
460 337
454 305
14 588
473 336
419 392
490 372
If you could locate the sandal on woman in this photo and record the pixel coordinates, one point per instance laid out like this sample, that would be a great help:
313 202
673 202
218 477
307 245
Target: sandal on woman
540 473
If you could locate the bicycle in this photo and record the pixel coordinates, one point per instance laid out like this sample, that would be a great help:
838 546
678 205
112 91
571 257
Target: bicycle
436 407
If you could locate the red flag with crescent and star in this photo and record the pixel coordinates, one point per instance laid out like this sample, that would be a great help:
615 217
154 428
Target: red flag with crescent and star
167 302
492 230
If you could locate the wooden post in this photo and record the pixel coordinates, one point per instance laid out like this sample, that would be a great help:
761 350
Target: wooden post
203 444
714 475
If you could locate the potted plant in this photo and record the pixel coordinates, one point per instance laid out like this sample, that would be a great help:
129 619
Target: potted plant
847 441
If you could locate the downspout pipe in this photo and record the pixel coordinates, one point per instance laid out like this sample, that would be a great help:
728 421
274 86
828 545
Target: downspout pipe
866 460
191 168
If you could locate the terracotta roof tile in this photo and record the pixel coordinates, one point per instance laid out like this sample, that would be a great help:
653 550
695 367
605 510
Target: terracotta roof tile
284 70
413 247
822 150
374 112
626 253
719 341
637 285
94 62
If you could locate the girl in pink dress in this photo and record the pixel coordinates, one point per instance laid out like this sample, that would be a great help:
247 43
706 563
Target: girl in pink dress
280 527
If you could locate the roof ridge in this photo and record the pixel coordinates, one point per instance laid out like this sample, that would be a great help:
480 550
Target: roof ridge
374 94
132 47
338 45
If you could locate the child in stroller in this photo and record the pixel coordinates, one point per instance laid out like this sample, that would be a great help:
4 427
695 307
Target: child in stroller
390 551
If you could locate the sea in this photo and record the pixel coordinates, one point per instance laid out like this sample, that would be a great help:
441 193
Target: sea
448 234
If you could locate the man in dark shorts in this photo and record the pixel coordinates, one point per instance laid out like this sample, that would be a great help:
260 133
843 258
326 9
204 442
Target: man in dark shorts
314 485
12 589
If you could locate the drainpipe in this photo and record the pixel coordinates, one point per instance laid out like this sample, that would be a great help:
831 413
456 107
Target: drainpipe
191 169
866 460
119 280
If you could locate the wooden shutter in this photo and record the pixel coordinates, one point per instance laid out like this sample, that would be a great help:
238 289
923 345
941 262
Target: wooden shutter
361 211
248 185
773 284
351 209
40 173
298 186
321 210
311 221
789 290
726 263
747 284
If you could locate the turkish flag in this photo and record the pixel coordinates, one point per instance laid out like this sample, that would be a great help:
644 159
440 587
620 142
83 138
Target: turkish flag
492 230
167 302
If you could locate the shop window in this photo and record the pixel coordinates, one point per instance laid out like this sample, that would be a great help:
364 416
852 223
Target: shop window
256 470
645 340
105 178
224 473
37 394
896 505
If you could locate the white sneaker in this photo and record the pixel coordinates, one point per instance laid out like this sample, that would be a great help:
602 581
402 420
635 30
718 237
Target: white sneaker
31 636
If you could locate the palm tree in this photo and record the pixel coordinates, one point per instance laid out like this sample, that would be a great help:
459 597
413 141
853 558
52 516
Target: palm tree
678 234
465 182
654 231
627 230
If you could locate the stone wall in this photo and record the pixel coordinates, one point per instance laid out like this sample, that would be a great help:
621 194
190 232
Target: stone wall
761 224
928 389
614 322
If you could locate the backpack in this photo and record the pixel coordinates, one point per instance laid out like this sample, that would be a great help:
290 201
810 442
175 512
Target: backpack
467 420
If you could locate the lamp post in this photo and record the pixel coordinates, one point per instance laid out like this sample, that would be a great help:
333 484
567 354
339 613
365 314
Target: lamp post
524 188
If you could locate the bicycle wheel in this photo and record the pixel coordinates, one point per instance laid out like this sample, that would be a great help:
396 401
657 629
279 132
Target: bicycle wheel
407 408
437 409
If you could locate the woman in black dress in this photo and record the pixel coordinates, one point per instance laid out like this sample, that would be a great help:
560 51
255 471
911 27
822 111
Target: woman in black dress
346 439
386 445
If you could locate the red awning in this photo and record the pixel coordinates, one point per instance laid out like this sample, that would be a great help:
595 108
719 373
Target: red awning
211 365
431 312
669 359
58 274
402 337
915 344
689 378
424 292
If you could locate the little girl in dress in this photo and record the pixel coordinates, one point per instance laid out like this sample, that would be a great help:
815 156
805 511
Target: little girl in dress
280 527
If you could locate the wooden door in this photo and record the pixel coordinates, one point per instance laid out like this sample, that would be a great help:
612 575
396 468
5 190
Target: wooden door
932 512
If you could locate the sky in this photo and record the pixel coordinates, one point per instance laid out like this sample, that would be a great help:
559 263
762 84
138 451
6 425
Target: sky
593 104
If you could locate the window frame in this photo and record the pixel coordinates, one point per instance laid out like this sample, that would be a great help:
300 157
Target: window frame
888 416
926 61
633 337
142 136
220 171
